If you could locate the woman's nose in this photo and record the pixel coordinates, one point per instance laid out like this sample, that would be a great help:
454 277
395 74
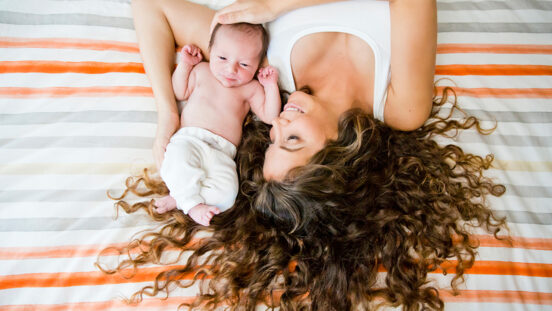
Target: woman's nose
276 130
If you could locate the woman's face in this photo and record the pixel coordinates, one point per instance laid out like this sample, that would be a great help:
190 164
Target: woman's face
300 131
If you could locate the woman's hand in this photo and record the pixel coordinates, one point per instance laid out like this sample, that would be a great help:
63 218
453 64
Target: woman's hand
166 127
247 11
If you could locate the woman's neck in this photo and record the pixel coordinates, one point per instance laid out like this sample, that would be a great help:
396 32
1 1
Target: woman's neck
337 67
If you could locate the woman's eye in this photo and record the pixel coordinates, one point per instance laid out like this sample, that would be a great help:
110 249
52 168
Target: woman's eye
292 137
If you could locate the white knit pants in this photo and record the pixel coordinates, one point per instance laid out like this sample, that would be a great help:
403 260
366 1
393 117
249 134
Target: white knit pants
199 168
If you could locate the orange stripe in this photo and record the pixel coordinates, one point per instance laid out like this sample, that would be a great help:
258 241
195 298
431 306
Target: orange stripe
494 48
506 268
66 279
76 91
517 242
69 279
506 296
63 43
502 92
63 67
494 70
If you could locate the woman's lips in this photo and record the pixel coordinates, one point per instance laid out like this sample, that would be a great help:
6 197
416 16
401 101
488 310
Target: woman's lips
293 107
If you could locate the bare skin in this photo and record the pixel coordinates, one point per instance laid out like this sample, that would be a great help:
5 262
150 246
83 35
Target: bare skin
413 45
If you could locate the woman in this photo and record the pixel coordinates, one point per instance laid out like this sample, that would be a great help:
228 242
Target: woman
407 28
340 194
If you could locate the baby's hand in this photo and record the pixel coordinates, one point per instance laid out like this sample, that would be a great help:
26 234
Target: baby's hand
190 54
268 75
202 213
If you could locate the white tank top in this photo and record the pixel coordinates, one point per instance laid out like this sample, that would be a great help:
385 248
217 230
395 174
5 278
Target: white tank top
366 19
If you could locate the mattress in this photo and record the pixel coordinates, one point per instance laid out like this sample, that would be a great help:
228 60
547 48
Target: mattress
77 116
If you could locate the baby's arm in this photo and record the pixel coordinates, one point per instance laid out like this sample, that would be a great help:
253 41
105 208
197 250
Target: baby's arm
267 108
182 81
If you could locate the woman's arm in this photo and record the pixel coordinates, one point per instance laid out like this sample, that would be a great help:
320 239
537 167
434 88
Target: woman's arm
159 24
413 48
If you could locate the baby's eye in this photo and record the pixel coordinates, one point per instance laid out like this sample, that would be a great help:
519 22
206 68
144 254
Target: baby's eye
222 58
244 65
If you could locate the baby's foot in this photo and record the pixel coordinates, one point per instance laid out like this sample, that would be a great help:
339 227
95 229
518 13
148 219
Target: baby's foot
202 213
164 204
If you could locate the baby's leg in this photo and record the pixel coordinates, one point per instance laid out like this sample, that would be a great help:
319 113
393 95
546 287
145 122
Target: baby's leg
164 204
203 213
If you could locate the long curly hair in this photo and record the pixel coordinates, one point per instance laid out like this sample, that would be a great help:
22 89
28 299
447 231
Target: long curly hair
375 199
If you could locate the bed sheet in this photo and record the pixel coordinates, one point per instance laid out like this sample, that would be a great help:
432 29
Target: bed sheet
77 117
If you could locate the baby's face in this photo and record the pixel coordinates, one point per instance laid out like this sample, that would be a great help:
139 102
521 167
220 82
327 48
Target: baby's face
234 57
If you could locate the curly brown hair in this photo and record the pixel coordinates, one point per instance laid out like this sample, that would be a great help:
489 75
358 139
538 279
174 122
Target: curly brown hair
373 198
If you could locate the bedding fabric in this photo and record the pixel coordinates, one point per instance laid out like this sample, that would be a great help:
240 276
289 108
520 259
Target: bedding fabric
77 117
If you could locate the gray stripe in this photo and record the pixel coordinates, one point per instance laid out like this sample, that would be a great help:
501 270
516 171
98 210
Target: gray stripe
79 116
529 191
526 217
506 140
496 5
503 116
77 142
496 27
68 224
56 195
16 18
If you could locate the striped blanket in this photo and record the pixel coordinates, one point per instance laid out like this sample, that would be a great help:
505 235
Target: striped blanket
77 117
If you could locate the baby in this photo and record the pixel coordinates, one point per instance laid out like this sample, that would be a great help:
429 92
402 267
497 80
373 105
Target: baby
199 168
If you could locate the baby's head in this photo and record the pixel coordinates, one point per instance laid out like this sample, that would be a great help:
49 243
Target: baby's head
236 52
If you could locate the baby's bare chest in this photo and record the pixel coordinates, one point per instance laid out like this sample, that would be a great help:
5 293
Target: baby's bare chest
210 95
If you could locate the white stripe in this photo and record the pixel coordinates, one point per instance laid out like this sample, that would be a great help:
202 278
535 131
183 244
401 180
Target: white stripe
56 209
42 80
61 182
515 255
69 238
501 152
494 16
493 38
493 58
70 7
495 282
78 129
61 265
63 104
486 306
498 82
524 230
497 104
69 155
517 129
68 31
510 202
75 294
68 55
